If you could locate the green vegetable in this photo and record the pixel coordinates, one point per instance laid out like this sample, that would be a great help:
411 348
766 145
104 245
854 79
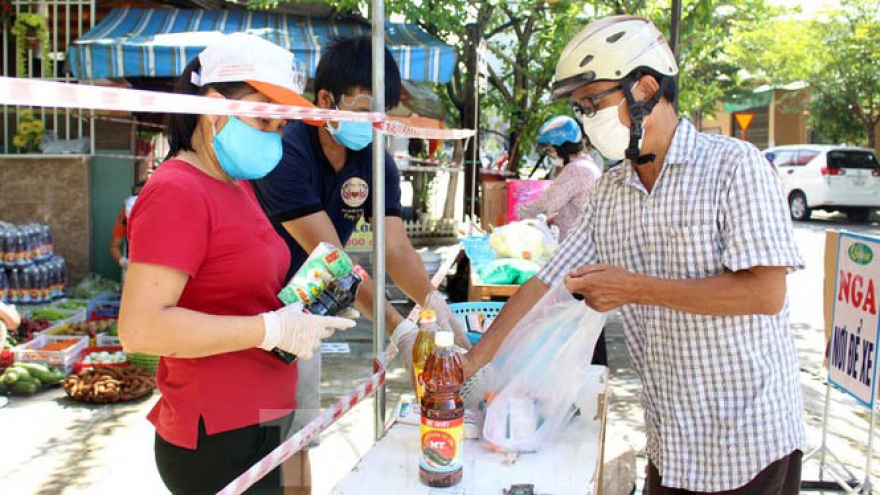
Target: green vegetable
72 304
49 314
113 330
25 387
30 379
43 373
12 375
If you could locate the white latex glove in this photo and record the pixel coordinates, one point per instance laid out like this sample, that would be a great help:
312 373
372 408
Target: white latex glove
404 338
350 312
291 330
123 262
445 319
10 317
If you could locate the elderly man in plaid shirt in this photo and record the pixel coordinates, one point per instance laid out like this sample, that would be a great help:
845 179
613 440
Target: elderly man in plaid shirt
690 238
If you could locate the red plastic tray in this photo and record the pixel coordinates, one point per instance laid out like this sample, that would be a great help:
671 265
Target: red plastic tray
78 365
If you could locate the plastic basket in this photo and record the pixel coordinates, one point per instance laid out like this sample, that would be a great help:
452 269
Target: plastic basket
31 352
79 365
487 309
147 361
478 249
104 306
105 339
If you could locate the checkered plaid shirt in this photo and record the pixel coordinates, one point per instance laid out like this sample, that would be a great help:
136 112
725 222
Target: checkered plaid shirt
722 394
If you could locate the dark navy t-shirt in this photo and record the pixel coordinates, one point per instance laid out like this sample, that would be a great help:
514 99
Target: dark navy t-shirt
305 183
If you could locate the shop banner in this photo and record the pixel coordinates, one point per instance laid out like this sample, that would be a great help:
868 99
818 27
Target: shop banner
852 359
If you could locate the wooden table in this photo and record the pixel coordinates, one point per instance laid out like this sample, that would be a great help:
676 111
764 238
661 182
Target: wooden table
571 464
478 291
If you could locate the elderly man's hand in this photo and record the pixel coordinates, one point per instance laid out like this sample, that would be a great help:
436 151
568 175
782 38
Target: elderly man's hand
603 287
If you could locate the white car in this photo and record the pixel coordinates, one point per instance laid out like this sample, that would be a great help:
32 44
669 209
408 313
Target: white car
830 178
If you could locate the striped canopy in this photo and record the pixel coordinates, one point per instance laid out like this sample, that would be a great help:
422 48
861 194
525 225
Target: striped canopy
160 42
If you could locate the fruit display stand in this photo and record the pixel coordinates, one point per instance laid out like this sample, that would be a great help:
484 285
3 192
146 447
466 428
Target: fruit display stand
81 328
572 463
76 316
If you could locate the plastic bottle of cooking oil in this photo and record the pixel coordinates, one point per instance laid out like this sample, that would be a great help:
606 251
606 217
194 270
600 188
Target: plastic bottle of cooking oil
442 431
422 348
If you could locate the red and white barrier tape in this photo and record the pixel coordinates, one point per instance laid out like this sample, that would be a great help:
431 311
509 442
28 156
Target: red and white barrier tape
302 438
430 161
40 93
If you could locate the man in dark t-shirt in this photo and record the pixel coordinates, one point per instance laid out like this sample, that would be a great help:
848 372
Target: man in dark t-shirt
306 183
324 185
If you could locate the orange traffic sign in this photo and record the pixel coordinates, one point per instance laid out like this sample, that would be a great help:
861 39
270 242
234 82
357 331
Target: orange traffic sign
744 120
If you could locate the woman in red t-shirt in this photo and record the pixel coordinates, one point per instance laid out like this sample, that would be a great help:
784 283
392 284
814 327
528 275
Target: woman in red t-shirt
205 267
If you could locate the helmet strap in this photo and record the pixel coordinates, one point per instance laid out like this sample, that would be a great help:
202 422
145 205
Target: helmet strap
638 111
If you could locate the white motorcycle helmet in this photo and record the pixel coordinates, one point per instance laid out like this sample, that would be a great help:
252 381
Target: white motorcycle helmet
610 49
618 48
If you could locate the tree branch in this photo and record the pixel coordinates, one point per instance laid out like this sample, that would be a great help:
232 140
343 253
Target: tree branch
514 20
498 29
503 56
498 83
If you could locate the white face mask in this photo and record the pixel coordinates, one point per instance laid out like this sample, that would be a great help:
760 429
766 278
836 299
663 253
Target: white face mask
607 134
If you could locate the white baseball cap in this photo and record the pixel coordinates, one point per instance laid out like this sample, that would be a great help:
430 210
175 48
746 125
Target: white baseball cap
267 67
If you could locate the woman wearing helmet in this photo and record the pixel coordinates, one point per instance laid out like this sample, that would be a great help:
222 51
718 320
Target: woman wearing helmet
563 201
690 240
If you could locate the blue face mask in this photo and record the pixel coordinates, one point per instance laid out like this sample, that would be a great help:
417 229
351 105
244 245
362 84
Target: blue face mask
246 153
353 135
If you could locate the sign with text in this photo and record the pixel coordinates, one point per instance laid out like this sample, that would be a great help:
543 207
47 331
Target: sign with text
852 358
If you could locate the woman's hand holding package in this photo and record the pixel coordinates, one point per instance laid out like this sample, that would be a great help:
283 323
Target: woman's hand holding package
292 330
445 319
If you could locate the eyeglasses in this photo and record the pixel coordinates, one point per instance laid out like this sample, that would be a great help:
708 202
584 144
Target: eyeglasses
356 102
592 103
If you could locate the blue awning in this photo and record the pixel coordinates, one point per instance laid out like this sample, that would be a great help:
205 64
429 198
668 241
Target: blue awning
160 42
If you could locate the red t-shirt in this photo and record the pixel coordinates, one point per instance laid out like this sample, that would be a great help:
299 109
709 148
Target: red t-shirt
216 233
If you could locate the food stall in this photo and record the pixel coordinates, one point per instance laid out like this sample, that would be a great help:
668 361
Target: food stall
570 464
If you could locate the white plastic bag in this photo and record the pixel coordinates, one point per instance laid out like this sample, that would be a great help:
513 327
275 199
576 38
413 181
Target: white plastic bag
539 372
528 240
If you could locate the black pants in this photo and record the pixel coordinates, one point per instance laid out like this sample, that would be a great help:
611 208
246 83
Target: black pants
219 459
782 477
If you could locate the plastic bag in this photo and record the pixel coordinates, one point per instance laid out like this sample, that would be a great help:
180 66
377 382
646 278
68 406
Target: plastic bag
528 240
549 237
539 372
507 271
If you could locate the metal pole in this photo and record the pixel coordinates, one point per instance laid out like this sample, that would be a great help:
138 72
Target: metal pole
476 163
675 36
377 20
866 486
824 446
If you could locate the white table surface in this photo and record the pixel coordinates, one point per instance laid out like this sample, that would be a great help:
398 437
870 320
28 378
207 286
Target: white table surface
566 466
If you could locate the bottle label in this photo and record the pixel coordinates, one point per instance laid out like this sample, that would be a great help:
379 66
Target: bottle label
10 258
441 444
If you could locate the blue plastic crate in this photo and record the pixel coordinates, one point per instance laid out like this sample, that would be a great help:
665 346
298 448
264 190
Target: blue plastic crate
478 249
490 309
104 306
